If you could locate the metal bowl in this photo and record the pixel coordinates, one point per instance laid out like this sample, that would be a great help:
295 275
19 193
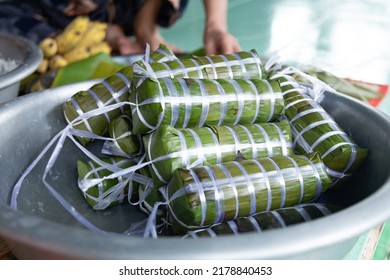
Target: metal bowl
42 229
26 54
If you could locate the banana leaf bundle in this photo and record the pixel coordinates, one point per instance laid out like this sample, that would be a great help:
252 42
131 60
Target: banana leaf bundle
203 196
124 142
314 130
112 90
168 148
110 191
267 220
182 102
240 65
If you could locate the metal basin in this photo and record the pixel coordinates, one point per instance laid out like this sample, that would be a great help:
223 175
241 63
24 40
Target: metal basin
26 54
42 229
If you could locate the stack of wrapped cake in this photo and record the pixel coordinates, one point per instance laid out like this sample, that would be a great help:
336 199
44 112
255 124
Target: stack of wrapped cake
210 145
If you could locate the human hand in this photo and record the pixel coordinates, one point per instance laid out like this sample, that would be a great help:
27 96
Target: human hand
146 29
220 42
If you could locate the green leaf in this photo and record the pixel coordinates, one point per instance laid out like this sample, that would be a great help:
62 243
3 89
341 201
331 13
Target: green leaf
97 66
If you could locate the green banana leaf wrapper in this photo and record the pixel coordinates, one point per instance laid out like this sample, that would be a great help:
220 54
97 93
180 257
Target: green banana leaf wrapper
148 194
314 130
112 90
124 142
240 65
341 85
168 148
203 196
263 221
110 191
182 102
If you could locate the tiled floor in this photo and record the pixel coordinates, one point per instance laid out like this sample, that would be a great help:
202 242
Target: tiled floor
347 37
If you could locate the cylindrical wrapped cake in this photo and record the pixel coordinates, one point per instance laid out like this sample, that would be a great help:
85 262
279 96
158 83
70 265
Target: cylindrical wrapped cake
204 196
314 130
169 148
184 103
264 221
112 90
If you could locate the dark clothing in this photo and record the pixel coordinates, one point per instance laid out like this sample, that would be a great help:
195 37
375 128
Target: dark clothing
38 19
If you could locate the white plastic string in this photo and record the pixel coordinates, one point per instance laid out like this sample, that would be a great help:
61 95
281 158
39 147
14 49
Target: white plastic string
299 135
230 71
201 195
115 95
324 210
237 144
279 218
201 156
205 101
182 66
187 101
258 63
254 223
218 197
272 101
273 64
211 232
315 168
125 80
250 187
302 211
169 71
282 180
223 103
282 140
267 140
263 175
211 62
240 99
300 178
233 187
256 146
233 226
79 113
258 100
165 55
318 86
98 102
198 69
116 192
185 158
175 108
245 73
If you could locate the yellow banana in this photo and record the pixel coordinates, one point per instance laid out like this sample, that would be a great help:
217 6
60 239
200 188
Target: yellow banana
95 33
72 34
42 68
101 47
77 53
48 47
57 61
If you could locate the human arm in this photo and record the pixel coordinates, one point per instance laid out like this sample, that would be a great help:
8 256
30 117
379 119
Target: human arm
146 28
216 37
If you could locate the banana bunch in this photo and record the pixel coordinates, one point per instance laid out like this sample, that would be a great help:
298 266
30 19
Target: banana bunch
80 39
